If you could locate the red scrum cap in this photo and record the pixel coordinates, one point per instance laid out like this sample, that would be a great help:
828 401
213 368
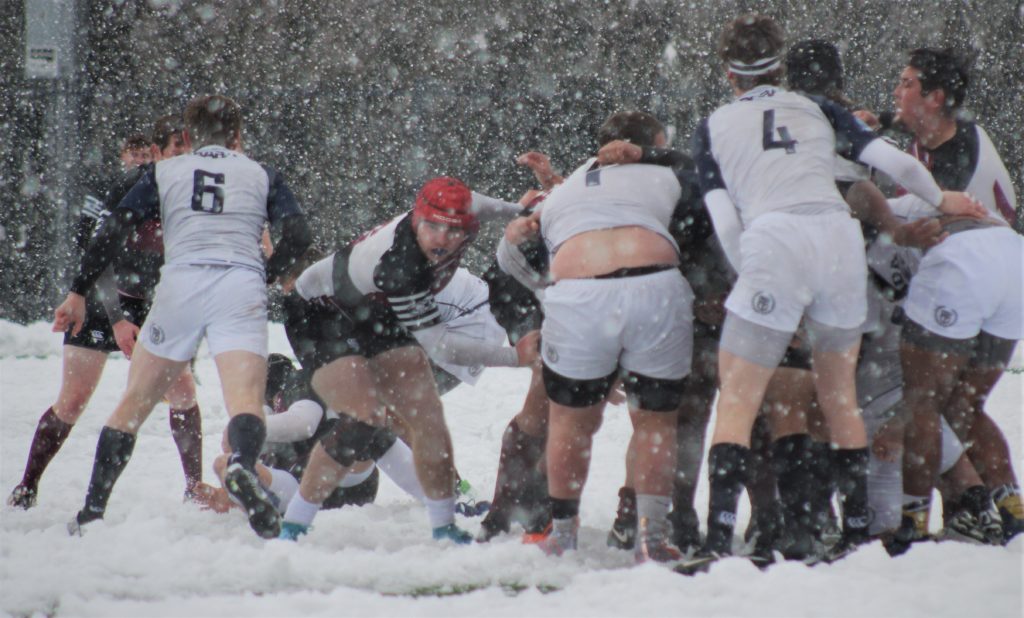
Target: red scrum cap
447 201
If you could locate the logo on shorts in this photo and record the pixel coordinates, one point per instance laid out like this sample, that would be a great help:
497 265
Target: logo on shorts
945 316
156 334
97 335
763 303
551 353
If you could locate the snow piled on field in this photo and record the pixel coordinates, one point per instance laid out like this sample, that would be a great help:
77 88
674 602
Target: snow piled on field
155 556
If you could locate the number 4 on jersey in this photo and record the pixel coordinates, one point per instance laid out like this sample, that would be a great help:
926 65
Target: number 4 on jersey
769 140
206 183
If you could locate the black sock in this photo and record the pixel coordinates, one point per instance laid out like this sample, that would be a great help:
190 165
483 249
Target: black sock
564 509
791 458
627 507
823 473
246 433
49 437
851 467
113 450
728 466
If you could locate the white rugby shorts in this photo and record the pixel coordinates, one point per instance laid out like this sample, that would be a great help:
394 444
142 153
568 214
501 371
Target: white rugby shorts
971 282
643 324
226 304
796 265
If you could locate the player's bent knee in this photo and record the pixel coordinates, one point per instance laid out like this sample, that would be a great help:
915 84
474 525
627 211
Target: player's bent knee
574 393
350 440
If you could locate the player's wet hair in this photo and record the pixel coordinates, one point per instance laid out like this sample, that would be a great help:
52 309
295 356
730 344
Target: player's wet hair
751 47
280 372
135 141
941 69
638 128
165 128
814 66
213 119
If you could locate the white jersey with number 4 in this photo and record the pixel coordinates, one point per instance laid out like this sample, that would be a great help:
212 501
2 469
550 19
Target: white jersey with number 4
775 151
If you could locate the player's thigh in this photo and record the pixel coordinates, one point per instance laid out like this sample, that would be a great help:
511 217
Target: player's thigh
149 376
243 379
839 268
236 312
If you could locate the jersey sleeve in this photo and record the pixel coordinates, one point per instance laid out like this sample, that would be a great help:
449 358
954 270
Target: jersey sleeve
143 199
852 135
281 201
709 176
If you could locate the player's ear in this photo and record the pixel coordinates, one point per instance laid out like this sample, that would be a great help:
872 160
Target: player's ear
937 98
186 139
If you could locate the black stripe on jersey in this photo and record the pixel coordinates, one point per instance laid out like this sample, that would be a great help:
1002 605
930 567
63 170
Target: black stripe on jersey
416 311
709 176
852 135
93 207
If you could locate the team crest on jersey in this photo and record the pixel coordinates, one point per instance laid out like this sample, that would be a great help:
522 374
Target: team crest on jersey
763 303
551 353
944 316
156 334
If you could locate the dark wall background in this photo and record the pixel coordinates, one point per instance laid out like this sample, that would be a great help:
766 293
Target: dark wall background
357 103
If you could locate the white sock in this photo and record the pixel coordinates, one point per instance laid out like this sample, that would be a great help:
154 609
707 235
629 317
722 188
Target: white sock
654 508
354 478
397 464
301 512
283 485
441 512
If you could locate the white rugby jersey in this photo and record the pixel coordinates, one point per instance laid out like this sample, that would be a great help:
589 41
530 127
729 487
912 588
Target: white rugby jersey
774 150
213 205
598 198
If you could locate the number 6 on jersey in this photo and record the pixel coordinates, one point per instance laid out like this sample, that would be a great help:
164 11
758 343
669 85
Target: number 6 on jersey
201 188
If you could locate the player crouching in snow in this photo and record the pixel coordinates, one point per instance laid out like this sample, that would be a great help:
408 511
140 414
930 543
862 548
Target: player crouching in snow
363 321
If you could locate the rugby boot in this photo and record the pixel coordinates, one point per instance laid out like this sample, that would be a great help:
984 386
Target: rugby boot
452 533
562 537
243 486
964 526
685 530
76 527
913 529
1011 512
23 497
493 524
536 537
291 531
623 532
652 542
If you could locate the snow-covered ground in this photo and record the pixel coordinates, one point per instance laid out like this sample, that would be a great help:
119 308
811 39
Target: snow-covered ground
155 556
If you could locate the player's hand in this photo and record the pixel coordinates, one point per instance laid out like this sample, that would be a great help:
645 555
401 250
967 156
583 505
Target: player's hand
619 151
70 314
528 348
522 229
868 118
959 203
923 233
125 334
531 197
540 164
